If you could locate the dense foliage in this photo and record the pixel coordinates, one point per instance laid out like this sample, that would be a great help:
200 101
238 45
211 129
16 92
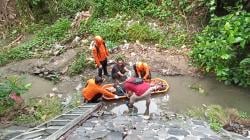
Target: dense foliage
223 48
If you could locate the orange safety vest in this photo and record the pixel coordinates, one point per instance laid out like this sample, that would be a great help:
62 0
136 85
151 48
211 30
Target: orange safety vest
92 89
100 52
142 67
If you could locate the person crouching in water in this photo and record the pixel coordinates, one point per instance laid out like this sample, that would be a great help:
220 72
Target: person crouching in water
93 91
100 53
119 70
138 91
142 70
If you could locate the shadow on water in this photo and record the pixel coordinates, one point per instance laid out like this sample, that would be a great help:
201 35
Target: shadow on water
182 96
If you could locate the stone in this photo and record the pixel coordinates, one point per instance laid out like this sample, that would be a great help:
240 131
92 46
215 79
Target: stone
172 138
162 133
99 128
132 137
114 136
149 138
191 138
198 122
149 133
77 137
155 126
98 135
88 124
178 132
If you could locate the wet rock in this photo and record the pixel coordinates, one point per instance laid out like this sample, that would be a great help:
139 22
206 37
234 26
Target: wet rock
172 138
155 126
98 135
207 138
149 133
132 137
99 128
88 124
77 137
178 132
191 138
198 122
149 138
114 136
162 133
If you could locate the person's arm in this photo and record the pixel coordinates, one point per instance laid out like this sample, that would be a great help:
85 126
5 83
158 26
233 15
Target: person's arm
147 73
119 73
126 69
105 92
86 84
96 57
138 72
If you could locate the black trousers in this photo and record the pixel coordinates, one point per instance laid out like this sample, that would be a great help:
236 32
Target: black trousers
96 98
142 74
104 64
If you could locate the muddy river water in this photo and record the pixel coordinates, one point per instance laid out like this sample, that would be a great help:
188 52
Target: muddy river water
185 92
181 96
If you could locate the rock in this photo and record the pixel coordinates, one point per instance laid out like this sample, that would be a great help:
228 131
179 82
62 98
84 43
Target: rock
198 122
162 133
56 53
99 128
75 42
172 138
64 70
77 137
114 136
98 135
178 132
191 138
132 137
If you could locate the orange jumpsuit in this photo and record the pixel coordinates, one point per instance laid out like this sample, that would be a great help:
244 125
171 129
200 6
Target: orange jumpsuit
102 54
142 69
92 89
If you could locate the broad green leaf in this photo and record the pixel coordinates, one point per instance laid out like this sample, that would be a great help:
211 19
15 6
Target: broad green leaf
225 56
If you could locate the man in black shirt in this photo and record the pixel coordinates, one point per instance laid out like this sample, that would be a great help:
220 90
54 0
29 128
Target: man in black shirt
119 70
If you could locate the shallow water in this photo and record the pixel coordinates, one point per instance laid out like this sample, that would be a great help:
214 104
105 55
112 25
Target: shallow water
181 96
39 86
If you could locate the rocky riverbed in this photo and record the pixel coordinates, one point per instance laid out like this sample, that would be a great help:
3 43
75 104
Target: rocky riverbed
133 126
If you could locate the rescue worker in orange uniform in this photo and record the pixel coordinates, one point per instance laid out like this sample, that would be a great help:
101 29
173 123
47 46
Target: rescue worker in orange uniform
100 54
93 90
142 70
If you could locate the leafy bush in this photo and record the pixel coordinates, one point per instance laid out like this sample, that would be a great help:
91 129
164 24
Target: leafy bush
112 29
144 32
115 30
79 64
11 85
223 48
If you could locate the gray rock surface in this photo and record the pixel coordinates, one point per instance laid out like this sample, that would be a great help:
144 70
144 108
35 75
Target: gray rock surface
127 127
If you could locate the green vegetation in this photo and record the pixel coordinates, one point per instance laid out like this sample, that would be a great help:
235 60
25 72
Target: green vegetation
79 64
42 41
40 110
116 30
223 48
11 85
218 116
